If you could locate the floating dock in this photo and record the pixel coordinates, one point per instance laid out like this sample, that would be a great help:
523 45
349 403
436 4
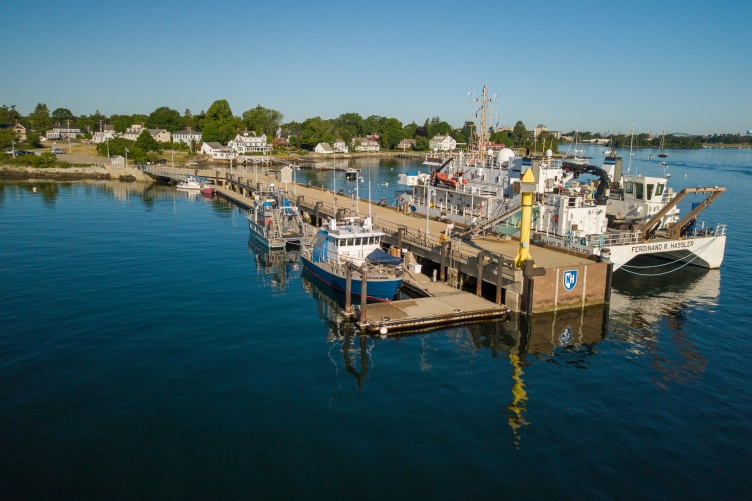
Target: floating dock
444 305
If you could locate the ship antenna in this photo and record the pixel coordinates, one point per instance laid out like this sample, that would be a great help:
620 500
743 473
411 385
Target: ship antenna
631 140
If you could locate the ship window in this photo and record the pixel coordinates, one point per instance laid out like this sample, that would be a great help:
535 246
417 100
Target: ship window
628 187
650 191
358 241
639 191
659 189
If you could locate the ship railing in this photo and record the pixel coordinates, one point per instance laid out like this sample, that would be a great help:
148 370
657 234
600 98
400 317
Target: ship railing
461 252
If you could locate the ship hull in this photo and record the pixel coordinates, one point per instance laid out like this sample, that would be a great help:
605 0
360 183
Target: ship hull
381 287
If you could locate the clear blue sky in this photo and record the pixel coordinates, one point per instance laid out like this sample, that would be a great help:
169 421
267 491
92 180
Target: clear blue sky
587 65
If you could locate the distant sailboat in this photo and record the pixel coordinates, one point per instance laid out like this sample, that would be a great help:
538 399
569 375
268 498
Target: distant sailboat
662 151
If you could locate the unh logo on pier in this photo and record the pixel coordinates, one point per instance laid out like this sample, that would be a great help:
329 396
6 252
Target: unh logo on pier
570 279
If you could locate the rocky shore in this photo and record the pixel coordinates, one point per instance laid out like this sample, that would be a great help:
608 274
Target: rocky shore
98 172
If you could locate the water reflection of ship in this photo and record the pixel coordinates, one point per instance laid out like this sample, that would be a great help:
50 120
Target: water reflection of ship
563 338
274 267
330 303
640 318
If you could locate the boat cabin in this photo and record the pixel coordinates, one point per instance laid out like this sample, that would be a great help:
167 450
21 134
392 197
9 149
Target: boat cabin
350 241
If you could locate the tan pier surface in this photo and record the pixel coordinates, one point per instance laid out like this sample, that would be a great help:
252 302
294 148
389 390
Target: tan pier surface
445 306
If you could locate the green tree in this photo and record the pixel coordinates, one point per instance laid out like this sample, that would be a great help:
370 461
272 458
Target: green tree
313 131
40 119
60 115
348 126
9 115
391 133
520 135
437 126
422 143
91 123
410 129
165 118
219 123
145 142
7 137
502 138
373 124
34 139
262 120
115 146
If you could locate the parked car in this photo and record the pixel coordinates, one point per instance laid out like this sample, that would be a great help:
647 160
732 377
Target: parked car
18 153
57 151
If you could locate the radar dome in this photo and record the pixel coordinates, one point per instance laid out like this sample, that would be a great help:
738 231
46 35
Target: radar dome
549 153
504 155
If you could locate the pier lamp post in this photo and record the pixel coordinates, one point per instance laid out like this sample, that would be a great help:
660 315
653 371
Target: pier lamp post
126 158
429 192
527 190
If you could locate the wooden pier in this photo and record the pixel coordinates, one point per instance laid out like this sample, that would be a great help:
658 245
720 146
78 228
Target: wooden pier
486 263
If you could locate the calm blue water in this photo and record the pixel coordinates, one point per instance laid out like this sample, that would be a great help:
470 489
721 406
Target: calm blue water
148 350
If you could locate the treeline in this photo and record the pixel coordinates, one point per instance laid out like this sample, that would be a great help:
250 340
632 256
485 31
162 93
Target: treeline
220 124
644 140
727 139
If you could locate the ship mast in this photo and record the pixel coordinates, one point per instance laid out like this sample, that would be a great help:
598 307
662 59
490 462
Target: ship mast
483 132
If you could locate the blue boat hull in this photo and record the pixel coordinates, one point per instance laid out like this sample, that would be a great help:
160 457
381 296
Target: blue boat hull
377 290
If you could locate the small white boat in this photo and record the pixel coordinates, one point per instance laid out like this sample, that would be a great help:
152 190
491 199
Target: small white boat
191 183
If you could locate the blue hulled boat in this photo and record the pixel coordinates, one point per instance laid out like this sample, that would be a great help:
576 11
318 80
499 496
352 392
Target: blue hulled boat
358 243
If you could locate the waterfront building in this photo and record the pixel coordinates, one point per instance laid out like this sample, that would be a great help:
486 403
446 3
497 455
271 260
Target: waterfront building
132 132
364 144
250 143
104 135
217 151
60 132
443 143
160 135
340 146
406 144
185 136
324 149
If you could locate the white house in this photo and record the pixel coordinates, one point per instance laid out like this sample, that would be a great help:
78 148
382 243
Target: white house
60 132
118 161
443 143
132 132
250 143
103 137
106 133
324 148
217 151
340 146
185 136
363 144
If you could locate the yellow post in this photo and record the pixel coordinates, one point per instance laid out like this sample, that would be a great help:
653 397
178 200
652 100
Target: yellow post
528 191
